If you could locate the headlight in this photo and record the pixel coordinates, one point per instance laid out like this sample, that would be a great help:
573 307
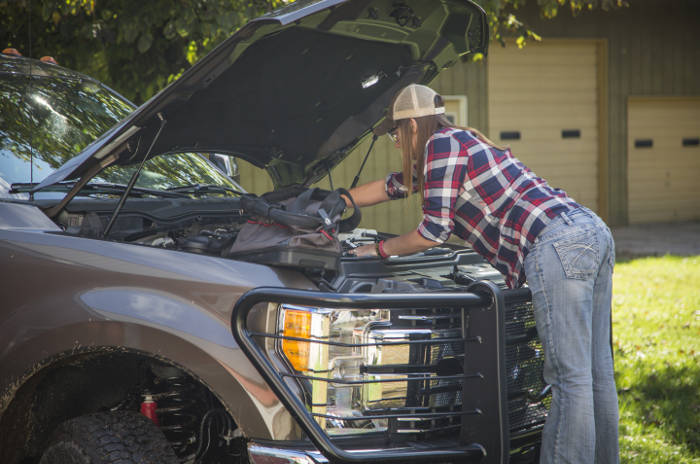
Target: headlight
358 367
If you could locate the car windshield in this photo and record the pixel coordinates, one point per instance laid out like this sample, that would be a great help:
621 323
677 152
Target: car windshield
168 172
45 121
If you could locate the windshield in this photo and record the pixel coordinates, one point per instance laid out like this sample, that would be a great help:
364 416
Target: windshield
45 121
167 172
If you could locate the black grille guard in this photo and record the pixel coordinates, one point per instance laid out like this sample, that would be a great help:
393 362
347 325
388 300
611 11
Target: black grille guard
484 428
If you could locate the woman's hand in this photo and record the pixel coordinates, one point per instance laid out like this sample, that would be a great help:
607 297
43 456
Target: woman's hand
405 244
364 250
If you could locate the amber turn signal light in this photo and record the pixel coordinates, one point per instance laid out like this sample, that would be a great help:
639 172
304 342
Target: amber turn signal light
297 324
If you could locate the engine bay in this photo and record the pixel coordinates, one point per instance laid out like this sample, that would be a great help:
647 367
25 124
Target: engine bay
178 224
211 227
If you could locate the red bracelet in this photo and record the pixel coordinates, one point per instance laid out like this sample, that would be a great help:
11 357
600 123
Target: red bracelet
380 250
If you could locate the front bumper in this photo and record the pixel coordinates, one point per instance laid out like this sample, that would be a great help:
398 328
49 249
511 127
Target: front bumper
263 454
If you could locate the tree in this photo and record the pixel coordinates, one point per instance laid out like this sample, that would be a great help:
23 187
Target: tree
138 46
134 46
504 21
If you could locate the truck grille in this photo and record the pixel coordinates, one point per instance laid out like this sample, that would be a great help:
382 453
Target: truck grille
433 371
528 396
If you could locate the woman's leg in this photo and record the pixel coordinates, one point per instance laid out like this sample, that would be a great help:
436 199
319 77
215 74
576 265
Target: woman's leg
604 391
561 269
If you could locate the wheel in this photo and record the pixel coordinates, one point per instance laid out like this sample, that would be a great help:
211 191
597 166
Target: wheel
122 437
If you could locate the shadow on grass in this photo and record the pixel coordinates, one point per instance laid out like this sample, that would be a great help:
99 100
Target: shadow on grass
668 399
626 257
621 258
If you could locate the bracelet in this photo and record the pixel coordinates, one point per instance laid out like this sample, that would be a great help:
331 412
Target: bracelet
380 250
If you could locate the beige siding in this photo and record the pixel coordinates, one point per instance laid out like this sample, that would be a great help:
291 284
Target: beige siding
253 179
540 91
663 180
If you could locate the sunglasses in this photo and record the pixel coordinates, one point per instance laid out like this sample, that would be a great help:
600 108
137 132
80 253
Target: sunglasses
393 134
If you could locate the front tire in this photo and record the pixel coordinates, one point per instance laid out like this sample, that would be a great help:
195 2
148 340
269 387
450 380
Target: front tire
106 438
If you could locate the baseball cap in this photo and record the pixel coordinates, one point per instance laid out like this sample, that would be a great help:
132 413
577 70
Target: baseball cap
413 101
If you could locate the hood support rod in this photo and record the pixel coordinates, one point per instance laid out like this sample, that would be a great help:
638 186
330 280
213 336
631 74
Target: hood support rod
133 179
53 211
362 166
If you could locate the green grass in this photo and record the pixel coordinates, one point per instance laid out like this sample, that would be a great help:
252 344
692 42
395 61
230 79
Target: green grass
656 338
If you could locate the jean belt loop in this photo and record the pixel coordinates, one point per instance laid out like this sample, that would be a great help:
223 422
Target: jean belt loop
566 218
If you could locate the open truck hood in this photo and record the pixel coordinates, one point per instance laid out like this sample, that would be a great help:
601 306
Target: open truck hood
295 90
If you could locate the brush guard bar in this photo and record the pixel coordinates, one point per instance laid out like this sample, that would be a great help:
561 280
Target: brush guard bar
484 429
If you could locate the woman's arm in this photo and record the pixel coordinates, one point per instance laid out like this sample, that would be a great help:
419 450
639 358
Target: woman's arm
369 194
405 244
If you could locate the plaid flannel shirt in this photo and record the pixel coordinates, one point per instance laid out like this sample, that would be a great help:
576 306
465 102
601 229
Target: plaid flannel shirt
485 196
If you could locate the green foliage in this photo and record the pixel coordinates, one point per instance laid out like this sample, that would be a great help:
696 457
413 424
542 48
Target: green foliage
656 328
137 47
504 21
134 46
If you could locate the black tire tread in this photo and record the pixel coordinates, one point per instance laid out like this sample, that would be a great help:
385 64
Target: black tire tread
120 437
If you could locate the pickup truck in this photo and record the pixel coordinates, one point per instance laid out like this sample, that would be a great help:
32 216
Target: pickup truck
129 334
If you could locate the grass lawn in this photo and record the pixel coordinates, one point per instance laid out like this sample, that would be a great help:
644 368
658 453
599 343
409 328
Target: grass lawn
656 338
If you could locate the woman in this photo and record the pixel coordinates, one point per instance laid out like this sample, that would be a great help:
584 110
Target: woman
525 229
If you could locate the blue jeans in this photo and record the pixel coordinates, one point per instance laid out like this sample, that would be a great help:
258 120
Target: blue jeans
569 271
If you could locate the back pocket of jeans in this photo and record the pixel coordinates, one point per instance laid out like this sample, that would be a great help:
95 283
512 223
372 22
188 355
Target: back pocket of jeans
579 255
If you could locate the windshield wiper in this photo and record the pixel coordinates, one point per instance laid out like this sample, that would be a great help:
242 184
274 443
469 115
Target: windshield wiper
106 187
198 189
120 188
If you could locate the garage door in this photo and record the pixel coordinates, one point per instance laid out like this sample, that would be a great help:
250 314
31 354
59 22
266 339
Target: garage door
663 163
543 103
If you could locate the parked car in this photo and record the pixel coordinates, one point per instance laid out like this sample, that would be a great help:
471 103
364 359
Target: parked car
126 329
